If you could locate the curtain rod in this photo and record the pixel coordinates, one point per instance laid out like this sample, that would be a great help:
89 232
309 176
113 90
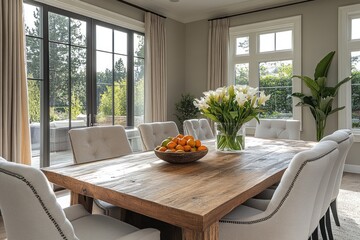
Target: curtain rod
260 10
138 7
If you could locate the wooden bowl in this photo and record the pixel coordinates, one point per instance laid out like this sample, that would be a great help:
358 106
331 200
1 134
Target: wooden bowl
182 157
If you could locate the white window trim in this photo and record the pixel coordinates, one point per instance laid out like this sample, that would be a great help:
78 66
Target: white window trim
345 46
95 12
253 30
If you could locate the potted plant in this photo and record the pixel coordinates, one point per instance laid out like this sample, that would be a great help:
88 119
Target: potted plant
185 109
322 96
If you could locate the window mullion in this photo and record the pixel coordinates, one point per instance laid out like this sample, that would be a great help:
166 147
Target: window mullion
130 81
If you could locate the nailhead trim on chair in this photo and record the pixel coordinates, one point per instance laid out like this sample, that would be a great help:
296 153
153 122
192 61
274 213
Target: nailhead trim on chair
39 199
281 202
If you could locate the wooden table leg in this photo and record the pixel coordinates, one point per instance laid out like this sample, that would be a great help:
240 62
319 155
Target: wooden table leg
87 202
211 233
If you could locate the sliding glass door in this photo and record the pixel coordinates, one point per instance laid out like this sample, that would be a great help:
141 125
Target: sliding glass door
67 44
81 72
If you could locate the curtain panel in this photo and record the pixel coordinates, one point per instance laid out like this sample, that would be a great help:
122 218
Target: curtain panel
155 69
14 120
218 50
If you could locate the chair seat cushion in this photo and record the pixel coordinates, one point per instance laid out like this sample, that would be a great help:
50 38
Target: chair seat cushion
96 227
75 212
241 212
260 204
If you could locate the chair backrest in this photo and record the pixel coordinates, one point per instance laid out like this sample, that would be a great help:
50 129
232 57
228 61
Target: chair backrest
98 143
28 205
278 128
198 128
293 202
152 134
345 139
323 191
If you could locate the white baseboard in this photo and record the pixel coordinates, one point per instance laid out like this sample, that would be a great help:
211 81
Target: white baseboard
352 168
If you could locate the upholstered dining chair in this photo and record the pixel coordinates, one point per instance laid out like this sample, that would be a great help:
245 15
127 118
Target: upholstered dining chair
30 211
152 134
328 191
198 128
345 139
99 143
290 210
278 128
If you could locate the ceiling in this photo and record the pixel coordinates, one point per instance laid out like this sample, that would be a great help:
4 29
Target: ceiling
186 11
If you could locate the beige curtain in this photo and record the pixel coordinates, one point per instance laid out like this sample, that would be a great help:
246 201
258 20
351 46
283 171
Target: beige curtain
218 48
155 69
14 120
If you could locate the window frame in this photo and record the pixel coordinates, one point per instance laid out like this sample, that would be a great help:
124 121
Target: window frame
345 46
92 16
255 57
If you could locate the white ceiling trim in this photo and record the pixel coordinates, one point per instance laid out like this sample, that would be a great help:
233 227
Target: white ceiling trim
95 12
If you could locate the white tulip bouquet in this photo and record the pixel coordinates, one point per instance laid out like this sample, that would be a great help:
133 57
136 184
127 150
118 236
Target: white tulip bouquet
231 107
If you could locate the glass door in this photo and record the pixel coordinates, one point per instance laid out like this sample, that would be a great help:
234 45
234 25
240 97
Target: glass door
81 72
67 82
111 76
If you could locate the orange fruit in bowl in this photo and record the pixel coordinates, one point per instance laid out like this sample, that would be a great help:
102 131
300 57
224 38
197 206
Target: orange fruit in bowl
202 148
190 142
187 137
175 140
171 145
187 148
162 149
179 147
179 136
197 143
182 141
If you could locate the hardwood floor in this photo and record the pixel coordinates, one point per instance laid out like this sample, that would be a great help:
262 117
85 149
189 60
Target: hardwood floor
350 182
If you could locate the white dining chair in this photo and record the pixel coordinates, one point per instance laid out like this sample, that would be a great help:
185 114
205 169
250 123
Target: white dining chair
152 134
328 191
278 128
198 128
30 211
289 212
345 139
99 143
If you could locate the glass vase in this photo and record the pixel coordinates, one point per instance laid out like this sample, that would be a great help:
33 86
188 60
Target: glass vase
230 138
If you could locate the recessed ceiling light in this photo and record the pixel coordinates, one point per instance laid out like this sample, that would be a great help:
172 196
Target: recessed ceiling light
174 0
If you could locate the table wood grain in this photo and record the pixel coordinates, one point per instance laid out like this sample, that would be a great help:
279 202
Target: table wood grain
193 196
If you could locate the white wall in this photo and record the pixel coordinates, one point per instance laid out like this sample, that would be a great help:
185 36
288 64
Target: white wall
175 37
319 36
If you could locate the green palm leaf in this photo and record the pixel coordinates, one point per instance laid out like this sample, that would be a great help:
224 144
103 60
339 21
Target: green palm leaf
323 66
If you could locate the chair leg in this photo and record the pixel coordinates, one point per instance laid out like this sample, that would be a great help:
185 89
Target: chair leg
334 212
314 235
322 228
328 225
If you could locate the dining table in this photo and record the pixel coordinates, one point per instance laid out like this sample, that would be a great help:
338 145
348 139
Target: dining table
192 196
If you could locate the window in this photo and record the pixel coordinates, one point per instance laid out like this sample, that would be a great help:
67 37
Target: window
81 72
349 64
266 55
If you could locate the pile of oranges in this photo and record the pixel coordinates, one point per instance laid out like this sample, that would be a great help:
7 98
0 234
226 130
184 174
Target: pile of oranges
181 143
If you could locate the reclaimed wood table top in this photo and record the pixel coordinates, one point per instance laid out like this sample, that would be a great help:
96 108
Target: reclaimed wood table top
193 196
